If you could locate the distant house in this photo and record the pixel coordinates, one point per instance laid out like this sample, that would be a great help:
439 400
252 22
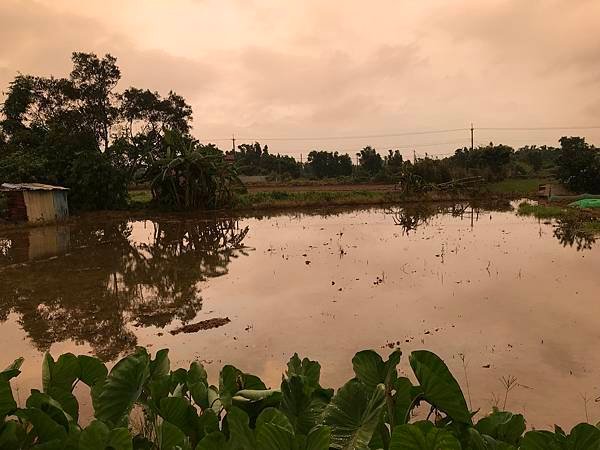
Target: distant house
34 202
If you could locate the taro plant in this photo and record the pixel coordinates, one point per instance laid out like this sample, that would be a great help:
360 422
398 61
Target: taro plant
143 404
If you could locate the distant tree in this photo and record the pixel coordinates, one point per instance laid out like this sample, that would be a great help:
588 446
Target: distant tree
324 164
370 161
254 159
579 165
394 161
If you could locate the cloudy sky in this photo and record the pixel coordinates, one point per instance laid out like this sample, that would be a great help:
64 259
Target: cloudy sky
322 69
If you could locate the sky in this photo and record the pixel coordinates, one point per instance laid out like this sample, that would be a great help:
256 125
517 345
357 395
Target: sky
300 75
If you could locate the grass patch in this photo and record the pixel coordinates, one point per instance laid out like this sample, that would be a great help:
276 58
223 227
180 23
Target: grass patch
545 211
310 198
525 186
284 199
140 197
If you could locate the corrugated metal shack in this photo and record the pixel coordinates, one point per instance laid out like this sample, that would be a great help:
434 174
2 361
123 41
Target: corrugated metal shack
35 202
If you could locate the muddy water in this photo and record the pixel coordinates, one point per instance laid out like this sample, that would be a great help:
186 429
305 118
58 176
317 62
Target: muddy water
516 297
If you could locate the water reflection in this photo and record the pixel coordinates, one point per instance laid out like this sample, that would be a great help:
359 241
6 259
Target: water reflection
144 273
411 217
570 233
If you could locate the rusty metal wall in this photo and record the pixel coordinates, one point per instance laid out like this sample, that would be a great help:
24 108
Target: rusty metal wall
40 206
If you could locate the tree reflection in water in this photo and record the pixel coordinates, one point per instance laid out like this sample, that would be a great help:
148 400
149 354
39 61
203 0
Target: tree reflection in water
570 233
109 281
413 216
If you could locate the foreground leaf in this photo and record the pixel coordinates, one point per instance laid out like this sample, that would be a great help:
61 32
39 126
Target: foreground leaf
115 396
422 436
353 415
440 388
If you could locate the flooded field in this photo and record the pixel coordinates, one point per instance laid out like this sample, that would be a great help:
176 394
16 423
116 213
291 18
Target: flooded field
512 296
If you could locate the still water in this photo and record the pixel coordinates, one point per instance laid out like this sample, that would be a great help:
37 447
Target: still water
514 296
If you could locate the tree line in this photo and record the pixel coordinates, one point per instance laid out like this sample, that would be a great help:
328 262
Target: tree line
83 133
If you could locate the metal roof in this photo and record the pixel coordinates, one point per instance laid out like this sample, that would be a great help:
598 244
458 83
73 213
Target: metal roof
30 187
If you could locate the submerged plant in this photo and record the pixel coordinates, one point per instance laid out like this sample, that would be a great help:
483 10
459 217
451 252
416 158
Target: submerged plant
143 404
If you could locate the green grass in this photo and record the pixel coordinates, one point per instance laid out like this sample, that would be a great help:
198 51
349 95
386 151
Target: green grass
525 186
284 199
140 197
545 211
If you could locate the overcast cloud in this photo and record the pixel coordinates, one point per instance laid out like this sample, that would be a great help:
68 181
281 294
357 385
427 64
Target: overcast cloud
310 68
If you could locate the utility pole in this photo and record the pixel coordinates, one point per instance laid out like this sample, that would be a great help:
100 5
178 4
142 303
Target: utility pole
414 157
471 136
233 143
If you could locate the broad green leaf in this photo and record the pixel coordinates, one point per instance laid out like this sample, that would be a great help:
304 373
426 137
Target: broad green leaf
353 415
440 388
310 370
13 370
47 365
92 369
47 404
64 372
422 437
160 366
197 373
230 381
170 437
12 435
539 440
199 392
318 439
179 412
370 368
67 401
502 425
274 417
44 427
7 401
274 431
302 404
241 436
213 441
584 436
116 395
402 400
252 383
94 436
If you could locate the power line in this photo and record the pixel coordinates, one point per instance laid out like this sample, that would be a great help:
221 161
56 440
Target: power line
331 138
537 128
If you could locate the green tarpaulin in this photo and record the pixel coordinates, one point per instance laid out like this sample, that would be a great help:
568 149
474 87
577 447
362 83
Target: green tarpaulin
587 203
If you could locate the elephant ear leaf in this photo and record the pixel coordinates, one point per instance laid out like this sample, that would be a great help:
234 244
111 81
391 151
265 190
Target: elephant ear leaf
370 368
540 440
114 397
309 370
584 436
13 370
422 436
97 436
92 370
7 401
353 415
439 387
274 431
503 425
